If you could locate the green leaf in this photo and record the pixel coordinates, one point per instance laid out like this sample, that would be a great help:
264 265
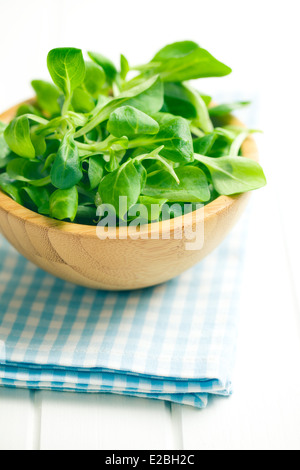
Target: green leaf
152 205
28 109
147 97
204 144
124 67
86 214
64 204
4 149
184 61
95 171
130 122
66 170
17 136
207 99
174 135
183 100
126 182
47 96
202 119
233 175
27 171
39 144
94 79
67 68
40 198
82 101
178 102
106 64
220 148
224 109
11 187
193 186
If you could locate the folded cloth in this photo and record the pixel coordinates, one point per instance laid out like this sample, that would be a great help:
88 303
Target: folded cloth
173 342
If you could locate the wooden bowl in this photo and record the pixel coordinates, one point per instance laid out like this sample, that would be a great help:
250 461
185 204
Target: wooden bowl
75 253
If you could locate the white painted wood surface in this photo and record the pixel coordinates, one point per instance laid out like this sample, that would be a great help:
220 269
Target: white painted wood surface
264 412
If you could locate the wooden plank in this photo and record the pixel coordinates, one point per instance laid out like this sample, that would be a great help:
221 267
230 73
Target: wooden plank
17 420
92 422
264 412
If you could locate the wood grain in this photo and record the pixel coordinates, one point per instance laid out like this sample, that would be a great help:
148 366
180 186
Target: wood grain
75 253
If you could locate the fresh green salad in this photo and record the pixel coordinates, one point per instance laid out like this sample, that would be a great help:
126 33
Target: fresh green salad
140 133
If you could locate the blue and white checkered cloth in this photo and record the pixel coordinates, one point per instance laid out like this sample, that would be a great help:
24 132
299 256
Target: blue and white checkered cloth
173 342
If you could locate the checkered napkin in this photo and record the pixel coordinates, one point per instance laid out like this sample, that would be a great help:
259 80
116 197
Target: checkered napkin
173 342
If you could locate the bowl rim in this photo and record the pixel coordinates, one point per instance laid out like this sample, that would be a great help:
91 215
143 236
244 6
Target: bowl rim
213 209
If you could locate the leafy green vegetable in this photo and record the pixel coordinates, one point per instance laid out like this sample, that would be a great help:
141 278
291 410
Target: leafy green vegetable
66 171
224 109
124 67
174 135
130 122
47 96
67 68
203 145
106 64
233 175
149 206
40 197
17 136
82 101
94 79
64 204
27 108
140 140
28 171
95 171
147 97
193 186
4 148
10 187
202 119
126 181
184 61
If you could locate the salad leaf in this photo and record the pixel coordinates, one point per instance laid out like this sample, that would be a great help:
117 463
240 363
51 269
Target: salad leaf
147 97
94 79
11 187
106 64
124 67
82 101
63 204
203 145
67 68
141 139
17 136
95 171
40 197
66 171
233 175
223 109
184 61
128 121
28 171
124 182
4 148
47 96
193 186
174 134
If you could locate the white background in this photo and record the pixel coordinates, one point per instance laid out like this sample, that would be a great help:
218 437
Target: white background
260 40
